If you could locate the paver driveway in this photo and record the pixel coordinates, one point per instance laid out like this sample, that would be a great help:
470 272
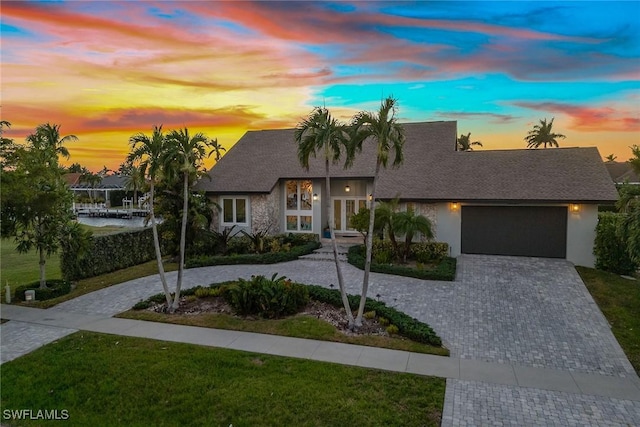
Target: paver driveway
525 311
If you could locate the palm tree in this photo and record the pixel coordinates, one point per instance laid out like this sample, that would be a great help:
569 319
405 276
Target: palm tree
541 134
216 149
320 132
134 181
148 151
49 143
92 179
611 158
635 160
408 223
384 220
184 156
384 130
465 143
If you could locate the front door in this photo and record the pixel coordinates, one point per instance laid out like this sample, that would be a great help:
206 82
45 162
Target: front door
343 209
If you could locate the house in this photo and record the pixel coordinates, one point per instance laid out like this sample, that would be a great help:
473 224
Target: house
99 190
541 203
622 172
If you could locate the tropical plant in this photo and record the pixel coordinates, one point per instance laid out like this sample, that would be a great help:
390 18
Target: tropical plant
465 143
321 133
35 200
185 156
360 222
408 223
147 152
134 180
385 221
542 134
611 158
383 129
92 179
216 149
635 160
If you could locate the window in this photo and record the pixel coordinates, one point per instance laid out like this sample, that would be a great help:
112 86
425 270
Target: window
298 205
234 210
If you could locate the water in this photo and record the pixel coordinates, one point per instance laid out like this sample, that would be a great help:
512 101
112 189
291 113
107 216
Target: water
135 222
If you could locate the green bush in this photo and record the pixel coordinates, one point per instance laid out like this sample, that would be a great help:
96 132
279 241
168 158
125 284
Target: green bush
445 270
425 252
267 258
55 288
409 327
270 298
610 248
107 253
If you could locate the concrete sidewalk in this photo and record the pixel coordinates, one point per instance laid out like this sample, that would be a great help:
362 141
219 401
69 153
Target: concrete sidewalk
508 374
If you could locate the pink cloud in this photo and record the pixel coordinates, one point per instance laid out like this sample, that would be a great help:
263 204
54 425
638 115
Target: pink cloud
583 118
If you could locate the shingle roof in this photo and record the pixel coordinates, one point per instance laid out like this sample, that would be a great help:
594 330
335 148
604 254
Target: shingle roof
432 169
622 172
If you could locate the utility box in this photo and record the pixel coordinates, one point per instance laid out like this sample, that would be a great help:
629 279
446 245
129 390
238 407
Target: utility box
30 295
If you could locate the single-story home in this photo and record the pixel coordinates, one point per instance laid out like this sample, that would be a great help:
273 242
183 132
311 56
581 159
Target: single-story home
541 203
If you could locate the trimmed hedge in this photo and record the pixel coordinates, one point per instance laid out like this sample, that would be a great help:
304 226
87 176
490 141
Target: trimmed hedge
409 327
610 248
108 253
446 269
267 258
55 288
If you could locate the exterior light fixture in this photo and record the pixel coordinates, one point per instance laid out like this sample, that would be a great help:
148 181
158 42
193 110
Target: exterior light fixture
370 197
574 208
347 188
454 206
315 196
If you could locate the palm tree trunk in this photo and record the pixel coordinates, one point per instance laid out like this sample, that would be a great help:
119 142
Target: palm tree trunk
367 263
43 278
156 244
183 239
343 293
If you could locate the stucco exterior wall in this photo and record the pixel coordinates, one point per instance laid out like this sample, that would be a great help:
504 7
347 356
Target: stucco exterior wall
581 233
429 211
448 227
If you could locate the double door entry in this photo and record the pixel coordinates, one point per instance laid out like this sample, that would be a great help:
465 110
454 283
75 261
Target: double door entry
343 208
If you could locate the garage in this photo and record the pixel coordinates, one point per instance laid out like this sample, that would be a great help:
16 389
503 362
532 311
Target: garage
535 231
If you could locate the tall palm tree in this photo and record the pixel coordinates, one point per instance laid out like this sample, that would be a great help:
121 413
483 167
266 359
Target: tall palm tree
216 149
134 181
49 143
542 134
465 143
320 132
611 158
384 130
184 156
408 223
148 152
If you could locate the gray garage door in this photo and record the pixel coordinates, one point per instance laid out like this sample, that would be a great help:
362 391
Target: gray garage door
515 230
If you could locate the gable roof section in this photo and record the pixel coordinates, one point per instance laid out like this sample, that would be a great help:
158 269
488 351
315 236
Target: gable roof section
432 169
621 172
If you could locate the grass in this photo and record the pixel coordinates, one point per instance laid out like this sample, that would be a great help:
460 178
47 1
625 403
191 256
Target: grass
112 380
295 326
19 269
619 301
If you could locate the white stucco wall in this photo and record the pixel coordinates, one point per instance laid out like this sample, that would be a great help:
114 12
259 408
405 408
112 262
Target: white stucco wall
581 233
448 227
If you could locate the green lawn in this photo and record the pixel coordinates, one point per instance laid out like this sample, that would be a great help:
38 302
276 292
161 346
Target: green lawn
19 269
107 380
619 301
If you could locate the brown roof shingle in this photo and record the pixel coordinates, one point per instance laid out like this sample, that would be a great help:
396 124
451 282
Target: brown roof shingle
432 169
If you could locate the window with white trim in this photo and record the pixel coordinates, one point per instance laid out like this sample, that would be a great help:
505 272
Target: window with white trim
235 211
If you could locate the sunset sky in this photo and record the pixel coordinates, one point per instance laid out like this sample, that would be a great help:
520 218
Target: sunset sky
105 70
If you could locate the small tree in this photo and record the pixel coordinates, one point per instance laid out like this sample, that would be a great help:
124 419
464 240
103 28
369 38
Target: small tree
360 222
35 200
542 134
465 143
611 158
408 223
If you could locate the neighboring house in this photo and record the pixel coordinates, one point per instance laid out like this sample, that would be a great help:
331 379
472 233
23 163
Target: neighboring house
109 183
509 202
622 172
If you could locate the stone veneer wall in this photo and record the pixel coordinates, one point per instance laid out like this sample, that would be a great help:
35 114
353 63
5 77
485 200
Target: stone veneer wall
266 211
429 211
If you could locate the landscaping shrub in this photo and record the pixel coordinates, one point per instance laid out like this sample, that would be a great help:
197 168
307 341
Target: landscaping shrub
107 253
445 270
407 326
55 288
610 248
270 298
267 258
425 252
